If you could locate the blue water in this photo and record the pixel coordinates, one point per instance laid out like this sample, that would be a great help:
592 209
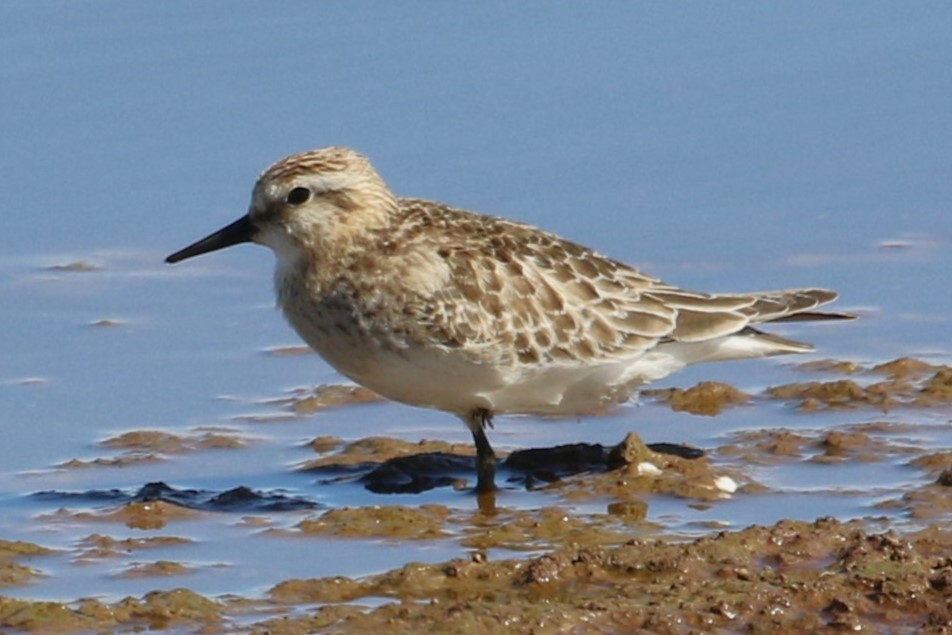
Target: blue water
721 147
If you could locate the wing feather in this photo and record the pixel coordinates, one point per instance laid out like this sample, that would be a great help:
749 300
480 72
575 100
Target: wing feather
514 293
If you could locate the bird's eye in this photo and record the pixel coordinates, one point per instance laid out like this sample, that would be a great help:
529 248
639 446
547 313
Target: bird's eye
298 196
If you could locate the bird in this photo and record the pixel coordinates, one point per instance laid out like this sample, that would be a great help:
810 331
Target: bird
440 307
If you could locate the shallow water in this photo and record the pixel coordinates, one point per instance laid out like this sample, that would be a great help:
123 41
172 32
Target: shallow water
716 152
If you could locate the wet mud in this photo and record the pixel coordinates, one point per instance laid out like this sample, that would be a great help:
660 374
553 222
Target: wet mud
137 447
392 466
794 577
707 398
159 496
587 559
901 383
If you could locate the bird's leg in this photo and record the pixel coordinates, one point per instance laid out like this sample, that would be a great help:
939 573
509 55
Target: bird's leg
477 421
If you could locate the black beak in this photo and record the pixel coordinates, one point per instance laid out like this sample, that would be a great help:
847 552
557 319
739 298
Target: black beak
241 231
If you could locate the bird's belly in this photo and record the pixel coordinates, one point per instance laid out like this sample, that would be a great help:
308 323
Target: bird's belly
422 376
451 382
457 381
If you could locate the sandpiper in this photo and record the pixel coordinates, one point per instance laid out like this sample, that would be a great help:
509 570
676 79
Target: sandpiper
444 308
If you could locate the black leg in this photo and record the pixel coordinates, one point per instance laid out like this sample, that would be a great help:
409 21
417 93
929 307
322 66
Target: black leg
485 457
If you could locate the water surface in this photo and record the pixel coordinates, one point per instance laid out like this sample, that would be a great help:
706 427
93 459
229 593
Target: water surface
719 148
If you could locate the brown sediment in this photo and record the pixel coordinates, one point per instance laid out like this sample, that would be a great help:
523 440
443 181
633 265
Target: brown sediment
935 463
13 573
157 569
154 440
706 398
331 396
903 382
161 441
151 515
768 446
689 480
306 401
157 610
325 445
866 442
853 444
127 459
843 393
136 515
792 577
151 446
932 500
98 546
838 366
909 383
10 549
604 571
530 530
825 576
904 368
335 589
380 521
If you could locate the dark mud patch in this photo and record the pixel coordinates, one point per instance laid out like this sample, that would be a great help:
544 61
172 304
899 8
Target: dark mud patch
418 473
390 466
238 499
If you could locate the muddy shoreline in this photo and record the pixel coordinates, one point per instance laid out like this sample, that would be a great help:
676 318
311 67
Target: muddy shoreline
793 577
552 569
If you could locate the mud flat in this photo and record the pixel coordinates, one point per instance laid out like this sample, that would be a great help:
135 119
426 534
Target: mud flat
593 561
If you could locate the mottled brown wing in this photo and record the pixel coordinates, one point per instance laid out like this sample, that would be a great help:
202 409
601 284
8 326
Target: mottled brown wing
543 299
528 295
